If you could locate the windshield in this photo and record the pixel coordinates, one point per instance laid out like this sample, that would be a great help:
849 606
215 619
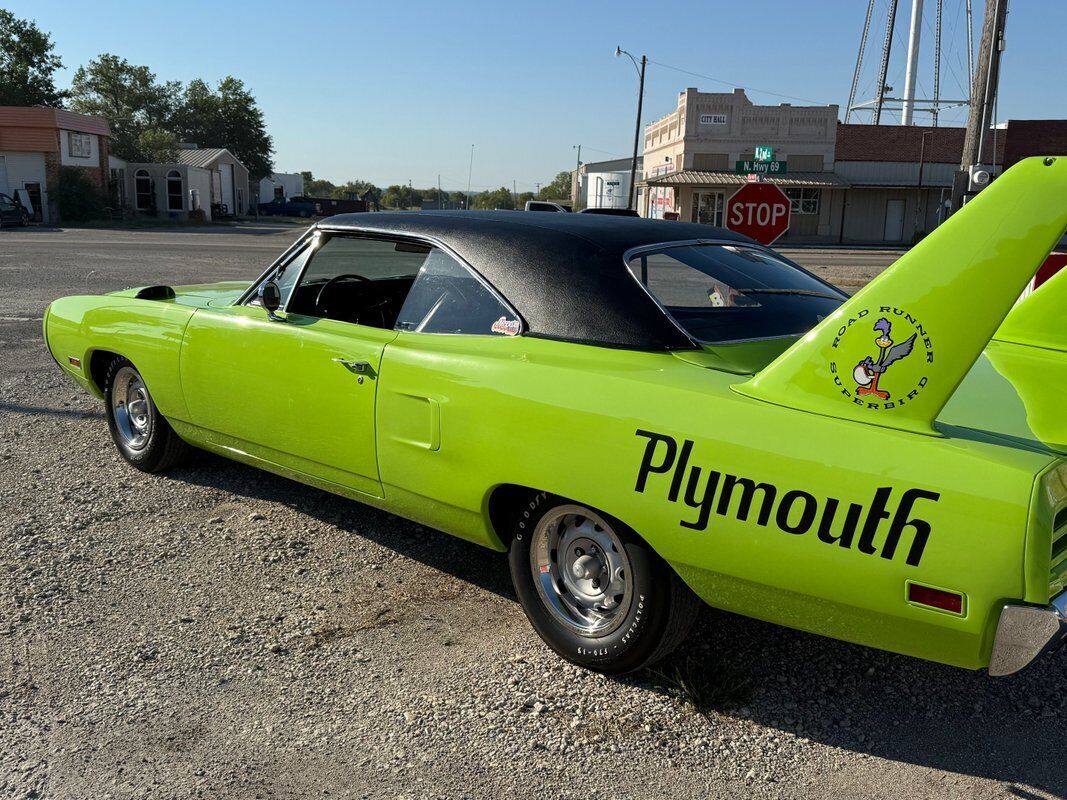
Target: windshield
725 292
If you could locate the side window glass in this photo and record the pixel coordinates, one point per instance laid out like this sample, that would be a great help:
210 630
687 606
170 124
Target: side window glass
447 298
356 279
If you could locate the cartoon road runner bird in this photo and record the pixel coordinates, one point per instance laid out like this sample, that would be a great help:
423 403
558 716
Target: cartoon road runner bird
868 371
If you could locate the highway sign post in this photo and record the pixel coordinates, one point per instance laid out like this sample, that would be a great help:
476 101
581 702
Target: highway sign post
759 211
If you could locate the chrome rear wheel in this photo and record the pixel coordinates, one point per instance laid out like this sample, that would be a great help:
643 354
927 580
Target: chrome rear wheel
581 570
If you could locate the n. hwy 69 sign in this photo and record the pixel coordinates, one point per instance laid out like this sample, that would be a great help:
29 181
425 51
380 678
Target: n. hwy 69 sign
759 211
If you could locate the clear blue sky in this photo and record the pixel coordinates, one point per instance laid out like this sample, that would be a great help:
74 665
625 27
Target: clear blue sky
392 91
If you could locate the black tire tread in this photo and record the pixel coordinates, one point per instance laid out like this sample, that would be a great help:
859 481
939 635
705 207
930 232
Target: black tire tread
685 607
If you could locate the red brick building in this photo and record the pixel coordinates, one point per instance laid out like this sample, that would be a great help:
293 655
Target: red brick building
35 142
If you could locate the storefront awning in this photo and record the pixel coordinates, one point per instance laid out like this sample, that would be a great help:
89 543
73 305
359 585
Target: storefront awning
697 178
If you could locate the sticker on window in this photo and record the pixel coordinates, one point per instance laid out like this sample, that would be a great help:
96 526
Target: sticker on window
508 327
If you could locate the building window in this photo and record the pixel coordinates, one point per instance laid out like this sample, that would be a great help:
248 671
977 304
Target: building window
174 191
804 201
143 190
80 145
708 208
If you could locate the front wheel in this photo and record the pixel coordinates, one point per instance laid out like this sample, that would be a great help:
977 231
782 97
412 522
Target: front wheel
142 435
596 593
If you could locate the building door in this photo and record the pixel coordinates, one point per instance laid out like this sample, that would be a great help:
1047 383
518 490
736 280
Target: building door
708 208
894 220
34 191
226 177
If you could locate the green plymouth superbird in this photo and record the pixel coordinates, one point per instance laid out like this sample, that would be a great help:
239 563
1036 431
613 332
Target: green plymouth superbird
648 414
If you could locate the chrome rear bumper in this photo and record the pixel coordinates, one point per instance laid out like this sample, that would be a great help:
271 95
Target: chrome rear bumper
1025 633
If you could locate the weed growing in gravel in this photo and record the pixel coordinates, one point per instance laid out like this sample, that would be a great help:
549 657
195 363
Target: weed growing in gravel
704 684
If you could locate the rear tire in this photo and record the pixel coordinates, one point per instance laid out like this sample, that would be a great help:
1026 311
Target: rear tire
142 435
593 590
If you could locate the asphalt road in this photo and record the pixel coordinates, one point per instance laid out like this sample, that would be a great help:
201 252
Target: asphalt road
220 632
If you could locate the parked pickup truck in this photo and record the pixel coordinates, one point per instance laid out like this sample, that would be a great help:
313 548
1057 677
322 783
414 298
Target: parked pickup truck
289 207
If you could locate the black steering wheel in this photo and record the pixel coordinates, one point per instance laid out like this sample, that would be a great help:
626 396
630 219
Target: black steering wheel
322 307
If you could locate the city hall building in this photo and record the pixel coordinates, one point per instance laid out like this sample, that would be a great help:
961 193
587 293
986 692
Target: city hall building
690 157
847 184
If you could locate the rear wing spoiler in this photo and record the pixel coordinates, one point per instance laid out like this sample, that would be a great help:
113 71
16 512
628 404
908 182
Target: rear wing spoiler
895 352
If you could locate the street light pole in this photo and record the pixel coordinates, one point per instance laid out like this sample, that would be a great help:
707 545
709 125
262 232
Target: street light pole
637 127
577 176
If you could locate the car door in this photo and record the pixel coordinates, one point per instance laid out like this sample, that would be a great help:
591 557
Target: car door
298 389
9 210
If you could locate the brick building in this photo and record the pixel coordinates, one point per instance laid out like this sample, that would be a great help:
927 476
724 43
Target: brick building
35 142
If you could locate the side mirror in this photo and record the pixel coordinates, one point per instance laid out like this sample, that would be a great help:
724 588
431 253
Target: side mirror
270 297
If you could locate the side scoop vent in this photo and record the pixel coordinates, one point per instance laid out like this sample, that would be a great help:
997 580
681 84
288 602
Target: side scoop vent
155 293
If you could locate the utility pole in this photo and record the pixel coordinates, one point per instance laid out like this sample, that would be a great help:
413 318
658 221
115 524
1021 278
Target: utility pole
577 176
470 171
440 205
515 193
983 97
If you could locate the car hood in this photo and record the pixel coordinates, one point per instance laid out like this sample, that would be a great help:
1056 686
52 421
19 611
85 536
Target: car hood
1013 393
197 294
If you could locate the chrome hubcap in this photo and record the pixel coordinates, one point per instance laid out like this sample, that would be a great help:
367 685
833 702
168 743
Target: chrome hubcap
132 406
581 570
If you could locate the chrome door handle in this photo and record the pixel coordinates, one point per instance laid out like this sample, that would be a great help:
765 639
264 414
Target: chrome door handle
361 367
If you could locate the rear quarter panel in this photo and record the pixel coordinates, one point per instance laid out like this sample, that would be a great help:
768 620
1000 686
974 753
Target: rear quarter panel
563 418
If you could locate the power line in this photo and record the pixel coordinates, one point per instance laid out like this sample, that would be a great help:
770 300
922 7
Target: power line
735 83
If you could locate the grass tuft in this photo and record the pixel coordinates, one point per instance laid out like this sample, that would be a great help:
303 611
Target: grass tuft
704 684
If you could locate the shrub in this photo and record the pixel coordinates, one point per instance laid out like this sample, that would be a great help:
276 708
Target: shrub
78 198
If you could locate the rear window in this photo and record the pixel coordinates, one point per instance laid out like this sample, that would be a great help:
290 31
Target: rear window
722 293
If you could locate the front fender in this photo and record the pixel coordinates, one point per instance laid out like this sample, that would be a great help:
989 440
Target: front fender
146 332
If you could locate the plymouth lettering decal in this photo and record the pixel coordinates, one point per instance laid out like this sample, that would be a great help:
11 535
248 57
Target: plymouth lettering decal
846 524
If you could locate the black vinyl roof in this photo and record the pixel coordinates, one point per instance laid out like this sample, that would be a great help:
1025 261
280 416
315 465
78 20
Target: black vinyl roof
563 273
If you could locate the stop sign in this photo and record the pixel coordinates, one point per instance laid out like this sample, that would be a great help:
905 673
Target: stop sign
759 211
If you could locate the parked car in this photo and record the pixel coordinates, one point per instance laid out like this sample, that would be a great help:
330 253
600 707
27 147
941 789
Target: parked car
289 207
647 414
545 205
611 212
12 212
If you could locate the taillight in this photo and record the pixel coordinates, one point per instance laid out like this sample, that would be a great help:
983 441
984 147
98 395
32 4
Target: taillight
940 599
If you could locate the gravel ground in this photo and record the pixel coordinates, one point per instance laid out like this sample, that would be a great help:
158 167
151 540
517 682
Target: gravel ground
220 632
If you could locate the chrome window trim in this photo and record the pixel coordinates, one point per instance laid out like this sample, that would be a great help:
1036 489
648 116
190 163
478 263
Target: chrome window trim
360 233
285 256
647 248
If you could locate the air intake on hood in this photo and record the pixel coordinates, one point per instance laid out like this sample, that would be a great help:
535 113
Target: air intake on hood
155 293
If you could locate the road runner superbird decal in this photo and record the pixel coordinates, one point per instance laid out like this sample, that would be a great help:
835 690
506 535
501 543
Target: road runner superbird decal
869 370
796 512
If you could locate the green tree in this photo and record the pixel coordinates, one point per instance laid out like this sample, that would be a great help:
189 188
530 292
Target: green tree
497 198
459 197
130 98
523 197
317 187
27 62
559 190
356 188
229 117
157 146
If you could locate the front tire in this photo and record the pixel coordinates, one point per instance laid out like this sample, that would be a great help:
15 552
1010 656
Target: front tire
593 590
142 435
